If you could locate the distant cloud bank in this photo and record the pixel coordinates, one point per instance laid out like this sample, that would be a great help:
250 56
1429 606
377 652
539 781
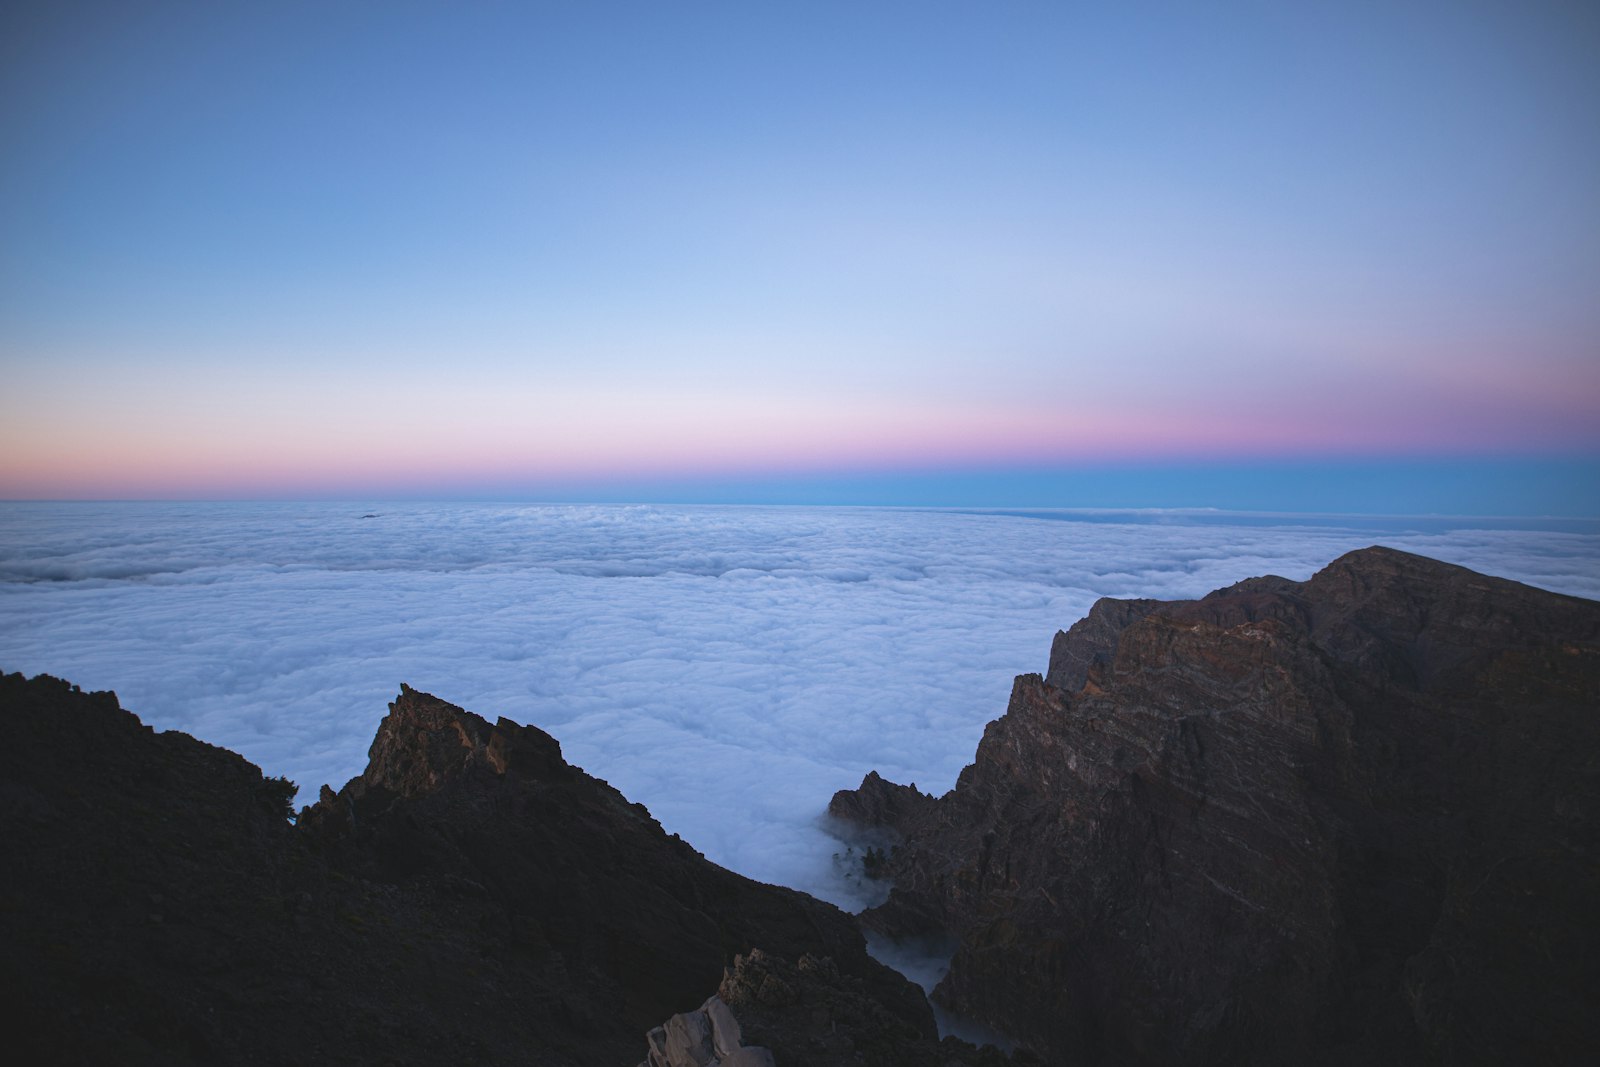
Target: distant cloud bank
729 667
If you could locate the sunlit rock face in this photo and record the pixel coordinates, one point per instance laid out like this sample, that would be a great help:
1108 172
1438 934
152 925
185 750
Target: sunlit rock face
470 898
1345 820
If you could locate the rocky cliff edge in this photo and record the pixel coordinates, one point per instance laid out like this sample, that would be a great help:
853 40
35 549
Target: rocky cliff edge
470 898
1346 820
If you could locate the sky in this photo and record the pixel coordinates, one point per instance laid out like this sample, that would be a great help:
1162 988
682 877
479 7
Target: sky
1311 256
728 667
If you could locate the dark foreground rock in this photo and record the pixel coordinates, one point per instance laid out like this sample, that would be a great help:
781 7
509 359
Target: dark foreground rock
471 898
1349 820
768 1011
810 1012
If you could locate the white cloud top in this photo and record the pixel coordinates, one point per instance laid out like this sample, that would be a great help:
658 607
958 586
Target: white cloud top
728 667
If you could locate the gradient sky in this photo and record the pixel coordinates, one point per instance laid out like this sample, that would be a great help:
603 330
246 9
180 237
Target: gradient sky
632 249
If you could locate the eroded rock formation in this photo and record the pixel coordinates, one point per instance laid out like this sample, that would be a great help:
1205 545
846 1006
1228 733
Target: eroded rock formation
1349 820
709 1036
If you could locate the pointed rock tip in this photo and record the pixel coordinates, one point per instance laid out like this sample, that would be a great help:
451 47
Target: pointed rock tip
1383 559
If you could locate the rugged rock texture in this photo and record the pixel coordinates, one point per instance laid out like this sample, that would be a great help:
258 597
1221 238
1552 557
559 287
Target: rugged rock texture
471 898
709 1036
1350 820
881 803
1092 642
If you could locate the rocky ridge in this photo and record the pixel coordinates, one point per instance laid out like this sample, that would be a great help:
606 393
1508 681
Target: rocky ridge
470 898
1347 820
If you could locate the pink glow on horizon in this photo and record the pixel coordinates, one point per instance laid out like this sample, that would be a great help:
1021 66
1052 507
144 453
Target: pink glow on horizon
734 437
668 250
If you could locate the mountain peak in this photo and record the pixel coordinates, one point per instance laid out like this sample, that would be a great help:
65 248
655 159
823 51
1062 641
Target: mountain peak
1348 819
425 741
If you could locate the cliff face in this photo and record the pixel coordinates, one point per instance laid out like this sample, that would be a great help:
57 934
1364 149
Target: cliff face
470 898
1346 820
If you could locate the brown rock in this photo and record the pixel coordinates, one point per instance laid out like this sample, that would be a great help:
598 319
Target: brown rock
880 803
1346 820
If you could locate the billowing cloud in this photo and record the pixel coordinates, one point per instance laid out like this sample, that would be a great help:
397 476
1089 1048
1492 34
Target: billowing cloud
728 667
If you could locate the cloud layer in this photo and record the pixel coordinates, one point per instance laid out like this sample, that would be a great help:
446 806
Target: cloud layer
728 667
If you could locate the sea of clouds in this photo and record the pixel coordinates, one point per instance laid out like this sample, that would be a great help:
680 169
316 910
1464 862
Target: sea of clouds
728 667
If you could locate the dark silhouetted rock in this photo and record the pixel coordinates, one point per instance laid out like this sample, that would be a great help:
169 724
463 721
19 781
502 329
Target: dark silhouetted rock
812 1013
1347 820
470 898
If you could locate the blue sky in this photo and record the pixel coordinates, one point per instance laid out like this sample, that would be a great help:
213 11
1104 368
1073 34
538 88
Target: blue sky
359 249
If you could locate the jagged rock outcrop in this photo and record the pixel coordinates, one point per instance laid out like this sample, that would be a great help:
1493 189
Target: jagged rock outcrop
878 802
1347 820
709 1036
470 898
1093 640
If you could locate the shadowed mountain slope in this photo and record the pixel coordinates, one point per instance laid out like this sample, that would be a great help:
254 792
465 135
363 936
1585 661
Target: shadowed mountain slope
471 898
1347 820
